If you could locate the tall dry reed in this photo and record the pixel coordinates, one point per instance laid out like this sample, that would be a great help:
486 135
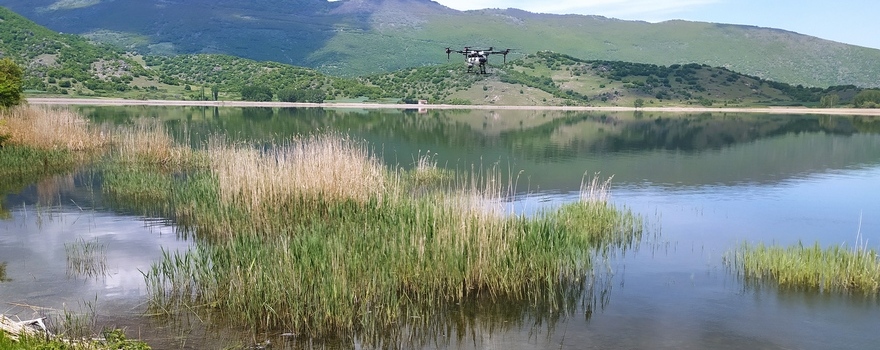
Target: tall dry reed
148 142
332 166
50 128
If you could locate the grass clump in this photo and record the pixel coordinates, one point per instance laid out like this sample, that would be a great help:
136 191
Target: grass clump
112 340
148 144
836 269
86 258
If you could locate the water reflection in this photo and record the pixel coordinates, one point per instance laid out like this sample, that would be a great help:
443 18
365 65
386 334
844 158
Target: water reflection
712 180
552 149
59 250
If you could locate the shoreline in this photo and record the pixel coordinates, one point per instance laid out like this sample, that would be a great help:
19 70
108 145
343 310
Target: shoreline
767 110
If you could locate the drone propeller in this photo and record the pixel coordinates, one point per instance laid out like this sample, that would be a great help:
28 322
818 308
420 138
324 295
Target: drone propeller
503 53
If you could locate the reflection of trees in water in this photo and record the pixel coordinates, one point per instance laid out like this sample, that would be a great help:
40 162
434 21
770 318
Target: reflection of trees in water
689 133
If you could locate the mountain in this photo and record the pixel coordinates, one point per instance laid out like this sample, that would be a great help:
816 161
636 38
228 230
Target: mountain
358 37
68 64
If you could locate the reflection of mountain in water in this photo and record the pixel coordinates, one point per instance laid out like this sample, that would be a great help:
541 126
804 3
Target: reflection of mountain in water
561 139
555 148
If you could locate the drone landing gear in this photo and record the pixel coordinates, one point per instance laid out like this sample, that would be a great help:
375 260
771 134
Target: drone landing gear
482 69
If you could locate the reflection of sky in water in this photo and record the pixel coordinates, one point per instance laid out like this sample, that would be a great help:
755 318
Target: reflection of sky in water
673 293
676 293
33 246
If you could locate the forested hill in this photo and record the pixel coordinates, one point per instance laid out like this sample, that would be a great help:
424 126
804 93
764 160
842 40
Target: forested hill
65 64
359 37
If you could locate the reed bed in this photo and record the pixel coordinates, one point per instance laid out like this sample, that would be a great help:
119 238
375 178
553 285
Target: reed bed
330 166
36 142
51 129
317 237
148 143
835 269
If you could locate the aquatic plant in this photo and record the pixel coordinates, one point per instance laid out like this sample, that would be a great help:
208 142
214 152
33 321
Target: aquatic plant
23 165
148 143
317 237
86 258
40 141
50 128
3 277
835 269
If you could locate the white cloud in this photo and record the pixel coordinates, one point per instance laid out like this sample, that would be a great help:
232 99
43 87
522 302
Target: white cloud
626 9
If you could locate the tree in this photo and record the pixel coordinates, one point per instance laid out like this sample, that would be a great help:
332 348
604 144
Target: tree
11 77
215 91
867 99
256 93
829 101
301 95
639 103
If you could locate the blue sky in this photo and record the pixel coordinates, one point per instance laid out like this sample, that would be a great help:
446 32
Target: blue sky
853 22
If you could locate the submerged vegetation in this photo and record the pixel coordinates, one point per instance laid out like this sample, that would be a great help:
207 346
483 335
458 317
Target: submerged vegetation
832 269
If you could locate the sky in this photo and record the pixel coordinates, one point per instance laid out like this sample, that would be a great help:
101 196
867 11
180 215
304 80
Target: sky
851 21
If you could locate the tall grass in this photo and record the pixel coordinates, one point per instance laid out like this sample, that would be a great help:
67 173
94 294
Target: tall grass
317 237
148 143
50 129
837 269
330 166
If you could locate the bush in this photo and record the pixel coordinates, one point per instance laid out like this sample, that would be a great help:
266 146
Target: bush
867 99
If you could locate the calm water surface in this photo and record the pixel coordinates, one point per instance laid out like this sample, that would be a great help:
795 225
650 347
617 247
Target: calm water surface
704 183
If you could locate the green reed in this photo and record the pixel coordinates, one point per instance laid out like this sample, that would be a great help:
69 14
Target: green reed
21 165
3 277
361 259
86 258
316 237
832 269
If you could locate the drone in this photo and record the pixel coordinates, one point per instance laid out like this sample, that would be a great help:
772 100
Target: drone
477 57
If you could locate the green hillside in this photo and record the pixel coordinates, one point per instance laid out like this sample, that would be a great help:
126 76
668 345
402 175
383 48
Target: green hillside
359 37
56 62
70 65
548 78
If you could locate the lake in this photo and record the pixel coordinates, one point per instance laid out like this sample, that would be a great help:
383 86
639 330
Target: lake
705 183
